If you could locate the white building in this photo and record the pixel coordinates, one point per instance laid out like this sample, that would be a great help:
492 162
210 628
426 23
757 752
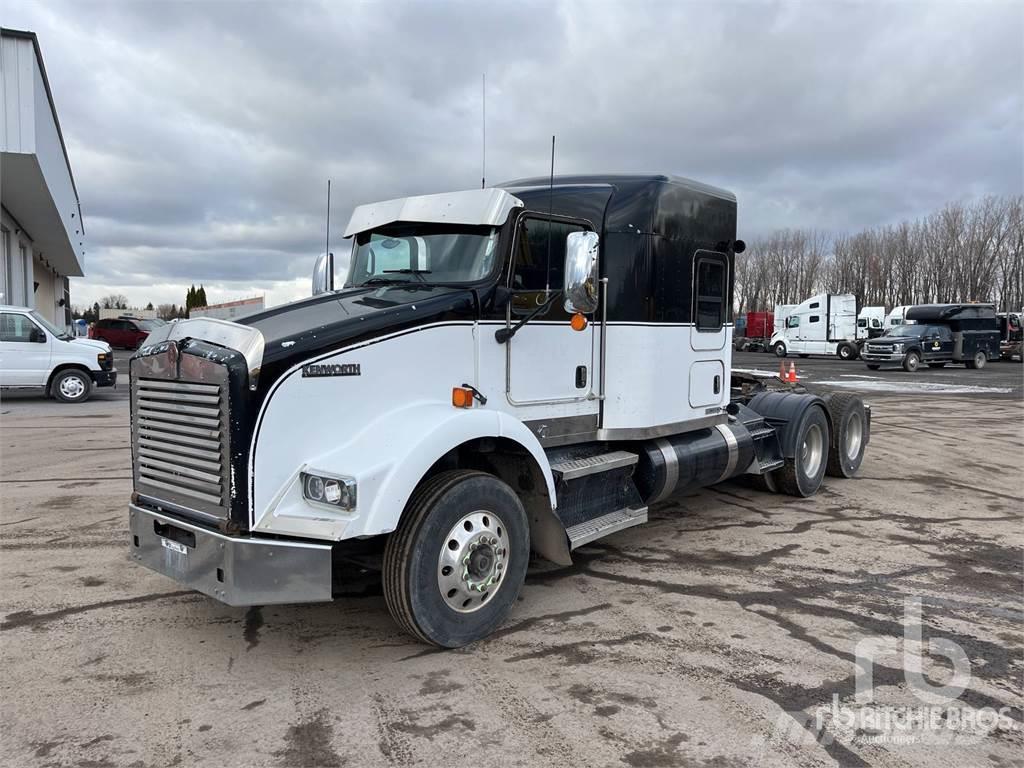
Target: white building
229 310
42 236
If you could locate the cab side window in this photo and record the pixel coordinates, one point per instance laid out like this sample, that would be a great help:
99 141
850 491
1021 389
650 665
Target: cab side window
15 327
792 321
943 332
710 291
540 264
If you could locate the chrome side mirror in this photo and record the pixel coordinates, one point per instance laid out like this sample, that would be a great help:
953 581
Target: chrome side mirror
323 274
581 277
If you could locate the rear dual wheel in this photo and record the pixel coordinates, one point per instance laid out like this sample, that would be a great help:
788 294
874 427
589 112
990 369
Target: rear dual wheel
458 559
978 361
849 435
802 474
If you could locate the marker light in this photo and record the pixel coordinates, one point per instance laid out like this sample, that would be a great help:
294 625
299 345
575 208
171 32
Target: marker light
462 398
578 322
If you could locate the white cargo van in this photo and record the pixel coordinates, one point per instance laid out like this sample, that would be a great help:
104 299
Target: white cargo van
36 355
825 324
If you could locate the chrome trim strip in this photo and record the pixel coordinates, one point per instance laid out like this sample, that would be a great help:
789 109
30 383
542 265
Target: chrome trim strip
661 430
671 480
734 451
242 338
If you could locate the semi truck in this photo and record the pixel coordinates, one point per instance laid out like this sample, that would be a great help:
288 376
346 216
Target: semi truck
825 324
937 334
755 332
1011 335
520 368
869 324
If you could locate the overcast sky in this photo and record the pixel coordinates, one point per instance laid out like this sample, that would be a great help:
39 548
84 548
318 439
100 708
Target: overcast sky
201 135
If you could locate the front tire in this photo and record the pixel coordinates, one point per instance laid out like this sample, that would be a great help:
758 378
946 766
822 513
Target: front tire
72 386
911 362
779 349
802 474
980 358
458 558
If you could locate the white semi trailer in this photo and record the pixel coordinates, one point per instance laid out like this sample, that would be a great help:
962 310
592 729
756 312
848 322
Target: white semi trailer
501 370
825 324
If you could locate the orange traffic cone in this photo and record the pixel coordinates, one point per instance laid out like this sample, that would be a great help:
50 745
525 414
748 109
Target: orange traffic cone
782 371
792 374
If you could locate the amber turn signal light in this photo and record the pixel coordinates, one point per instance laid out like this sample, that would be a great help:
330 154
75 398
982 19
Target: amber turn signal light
578 322
462 398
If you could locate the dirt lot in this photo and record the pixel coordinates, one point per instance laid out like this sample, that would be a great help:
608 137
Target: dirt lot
705 638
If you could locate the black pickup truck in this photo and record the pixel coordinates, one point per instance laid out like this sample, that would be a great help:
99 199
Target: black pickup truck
938 334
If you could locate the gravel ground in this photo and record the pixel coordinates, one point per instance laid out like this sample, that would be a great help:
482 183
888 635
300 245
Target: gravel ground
706 638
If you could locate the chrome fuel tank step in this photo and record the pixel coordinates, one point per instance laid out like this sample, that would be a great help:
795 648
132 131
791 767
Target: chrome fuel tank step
598 527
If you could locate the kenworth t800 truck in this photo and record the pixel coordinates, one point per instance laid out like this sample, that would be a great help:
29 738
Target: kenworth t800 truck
499 371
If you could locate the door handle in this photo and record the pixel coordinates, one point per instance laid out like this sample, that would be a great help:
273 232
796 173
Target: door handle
581 376
718 384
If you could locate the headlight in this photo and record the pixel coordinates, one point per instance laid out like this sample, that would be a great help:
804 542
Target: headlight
102 358
897 347
329 490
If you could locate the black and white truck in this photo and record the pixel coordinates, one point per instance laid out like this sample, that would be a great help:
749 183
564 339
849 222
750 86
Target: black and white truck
501 370
938 334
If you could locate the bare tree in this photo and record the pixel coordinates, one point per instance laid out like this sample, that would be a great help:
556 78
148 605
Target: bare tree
114 301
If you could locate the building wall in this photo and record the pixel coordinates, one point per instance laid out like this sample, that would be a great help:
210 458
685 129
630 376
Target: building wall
16 268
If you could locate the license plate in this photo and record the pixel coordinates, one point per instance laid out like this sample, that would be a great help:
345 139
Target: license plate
174 546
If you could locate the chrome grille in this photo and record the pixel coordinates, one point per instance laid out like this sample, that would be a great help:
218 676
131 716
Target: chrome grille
180 443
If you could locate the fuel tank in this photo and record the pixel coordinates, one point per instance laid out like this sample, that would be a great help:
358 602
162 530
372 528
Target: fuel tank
695 459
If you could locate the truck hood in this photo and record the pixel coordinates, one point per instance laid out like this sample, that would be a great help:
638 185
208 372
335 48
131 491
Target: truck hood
296 331
100 346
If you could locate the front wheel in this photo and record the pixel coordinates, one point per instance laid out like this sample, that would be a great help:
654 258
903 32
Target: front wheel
72 386
458 559
911 362
802 474
779 349
978 362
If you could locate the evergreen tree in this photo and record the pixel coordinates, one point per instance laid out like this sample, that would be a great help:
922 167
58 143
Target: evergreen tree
201 297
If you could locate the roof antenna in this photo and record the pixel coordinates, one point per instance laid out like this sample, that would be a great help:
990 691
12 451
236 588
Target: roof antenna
327 249
483 125
551 210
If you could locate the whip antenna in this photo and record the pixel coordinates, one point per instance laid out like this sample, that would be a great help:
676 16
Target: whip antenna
483 127
327 245
551 210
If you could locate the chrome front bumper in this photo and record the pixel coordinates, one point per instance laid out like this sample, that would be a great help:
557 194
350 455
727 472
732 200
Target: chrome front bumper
235 570
882 357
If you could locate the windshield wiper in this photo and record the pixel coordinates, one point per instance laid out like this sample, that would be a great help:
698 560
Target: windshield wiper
384 281
417 272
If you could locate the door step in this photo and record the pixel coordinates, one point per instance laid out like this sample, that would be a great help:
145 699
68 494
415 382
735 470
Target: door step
570 469
770 464
591 530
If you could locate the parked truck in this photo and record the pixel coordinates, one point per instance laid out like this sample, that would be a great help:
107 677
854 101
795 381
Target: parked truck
869 324
501 370
937 334
825 324
1010 335
755 332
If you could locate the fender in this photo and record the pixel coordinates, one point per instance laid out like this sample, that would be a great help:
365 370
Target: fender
387 458
783 411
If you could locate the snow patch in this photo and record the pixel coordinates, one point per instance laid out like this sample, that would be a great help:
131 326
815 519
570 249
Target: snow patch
929 387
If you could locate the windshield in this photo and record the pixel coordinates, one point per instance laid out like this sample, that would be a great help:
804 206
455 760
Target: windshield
60 333
427 253
907 330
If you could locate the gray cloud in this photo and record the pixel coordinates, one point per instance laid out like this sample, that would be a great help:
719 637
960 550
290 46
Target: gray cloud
201 135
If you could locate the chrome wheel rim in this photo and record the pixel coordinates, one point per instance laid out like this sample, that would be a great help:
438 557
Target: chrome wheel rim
812 450
473 561
912 362
979 360
72 387
854 436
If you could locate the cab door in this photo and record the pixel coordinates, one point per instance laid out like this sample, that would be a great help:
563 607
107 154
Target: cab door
709 334
24 351
939 343
549 363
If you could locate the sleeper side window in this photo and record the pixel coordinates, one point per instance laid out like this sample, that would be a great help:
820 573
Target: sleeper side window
539 270
710 291
814 319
